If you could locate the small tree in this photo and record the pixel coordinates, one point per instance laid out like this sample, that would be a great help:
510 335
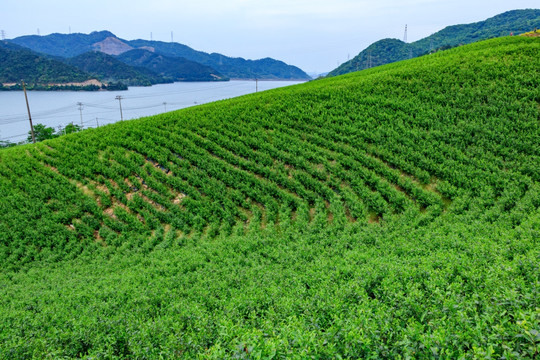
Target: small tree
41 133
70 129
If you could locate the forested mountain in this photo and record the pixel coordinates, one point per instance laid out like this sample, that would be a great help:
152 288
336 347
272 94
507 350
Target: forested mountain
391 50
18 63
170 68
63 45
234 68
392 213
70 45
109 69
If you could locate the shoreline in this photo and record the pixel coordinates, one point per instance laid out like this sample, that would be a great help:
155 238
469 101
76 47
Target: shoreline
92 85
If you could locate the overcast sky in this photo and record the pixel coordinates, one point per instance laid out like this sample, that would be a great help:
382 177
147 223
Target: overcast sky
315 35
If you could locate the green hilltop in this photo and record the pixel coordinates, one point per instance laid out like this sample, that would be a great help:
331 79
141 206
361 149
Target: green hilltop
391 213
387 51
36 70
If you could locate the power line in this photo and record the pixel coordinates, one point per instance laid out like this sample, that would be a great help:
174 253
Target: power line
39 113
14 136
103 108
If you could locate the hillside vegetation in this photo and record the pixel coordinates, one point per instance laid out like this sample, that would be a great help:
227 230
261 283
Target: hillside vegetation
387 51
392 213
232 67
20 63
109 69
170 68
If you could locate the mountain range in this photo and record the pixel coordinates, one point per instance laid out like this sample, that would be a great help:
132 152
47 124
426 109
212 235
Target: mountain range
214 66
387 51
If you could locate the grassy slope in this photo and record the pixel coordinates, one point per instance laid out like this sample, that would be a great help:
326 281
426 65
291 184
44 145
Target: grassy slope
427 170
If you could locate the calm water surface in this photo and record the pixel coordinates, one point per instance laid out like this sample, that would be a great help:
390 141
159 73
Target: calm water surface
59 108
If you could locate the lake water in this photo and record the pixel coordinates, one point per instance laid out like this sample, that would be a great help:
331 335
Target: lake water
59 108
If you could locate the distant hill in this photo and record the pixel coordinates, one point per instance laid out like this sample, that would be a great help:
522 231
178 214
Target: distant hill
70 45
391 50
171 68
63 45
109 69
36 70
235 68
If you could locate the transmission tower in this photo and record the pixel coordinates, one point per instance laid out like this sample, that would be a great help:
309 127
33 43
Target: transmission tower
3 34
172 38
405 36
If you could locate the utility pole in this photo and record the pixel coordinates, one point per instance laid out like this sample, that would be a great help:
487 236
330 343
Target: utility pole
39 34
80 110
256 85
97 123
29 115
119 98
3 34
165 105
151 37
172 39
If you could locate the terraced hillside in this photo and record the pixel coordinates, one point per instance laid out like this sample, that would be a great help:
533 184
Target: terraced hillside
385 213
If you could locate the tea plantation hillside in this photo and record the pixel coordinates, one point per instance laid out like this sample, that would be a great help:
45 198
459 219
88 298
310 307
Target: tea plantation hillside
391 213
